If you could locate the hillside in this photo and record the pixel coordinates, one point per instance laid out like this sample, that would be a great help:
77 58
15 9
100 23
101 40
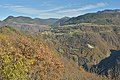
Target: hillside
100 17
72 41
25 58
20 55
60 22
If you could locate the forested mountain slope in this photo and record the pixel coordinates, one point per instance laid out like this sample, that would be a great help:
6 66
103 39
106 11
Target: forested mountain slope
72 42
24 57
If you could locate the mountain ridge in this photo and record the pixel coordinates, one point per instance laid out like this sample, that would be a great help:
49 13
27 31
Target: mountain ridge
100 17
24 19
27 24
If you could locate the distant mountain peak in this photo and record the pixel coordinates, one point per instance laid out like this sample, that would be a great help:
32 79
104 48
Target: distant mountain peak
60 22
19 17
24 17
65 17
9 17
110 10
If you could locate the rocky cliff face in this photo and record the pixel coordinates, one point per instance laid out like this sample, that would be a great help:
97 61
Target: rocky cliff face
109 66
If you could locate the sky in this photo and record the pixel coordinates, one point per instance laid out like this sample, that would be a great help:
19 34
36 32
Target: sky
53 8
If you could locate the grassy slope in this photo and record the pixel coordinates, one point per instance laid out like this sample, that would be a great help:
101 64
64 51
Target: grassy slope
98 18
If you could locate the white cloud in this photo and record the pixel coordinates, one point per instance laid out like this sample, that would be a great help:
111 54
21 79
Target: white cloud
23 9
54 9
26 10
57 12
83 8
47 3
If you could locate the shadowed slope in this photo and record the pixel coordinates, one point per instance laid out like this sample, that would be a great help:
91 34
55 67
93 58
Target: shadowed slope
109 66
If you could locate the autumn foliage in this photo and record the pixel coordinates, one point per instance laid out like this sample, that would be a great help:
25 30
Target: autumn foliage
23 57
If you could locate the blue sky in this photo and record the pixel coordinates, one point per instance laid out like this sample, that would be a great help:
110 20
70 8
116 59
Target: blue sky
53 8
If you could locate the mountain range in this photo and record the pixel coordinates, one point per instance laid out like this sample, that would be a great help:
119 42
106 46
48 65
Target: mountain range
58 49
28 24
